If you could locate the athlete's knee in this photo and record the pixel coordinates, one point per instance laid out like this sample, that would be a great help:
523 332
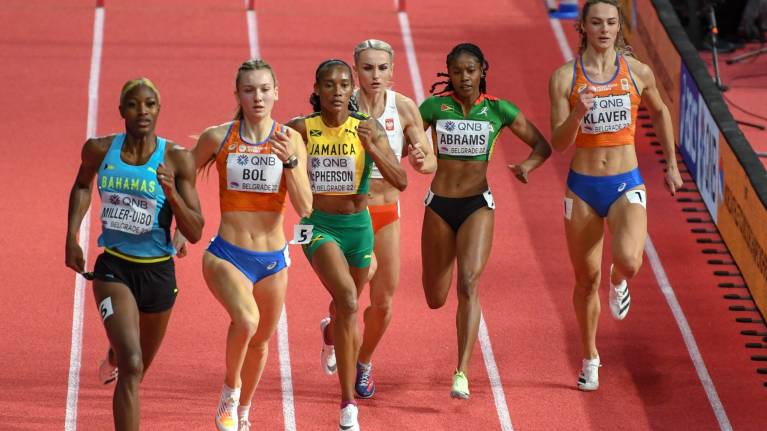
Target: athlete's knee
381 307
587 282
346 303
468 284
258 346
131 365
628 265
245 323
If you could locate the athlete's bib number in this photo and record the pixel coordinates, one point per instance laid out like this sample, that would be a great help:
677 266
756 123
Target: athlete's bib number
259 173
608 114
462 137
302 233
127 213
332 174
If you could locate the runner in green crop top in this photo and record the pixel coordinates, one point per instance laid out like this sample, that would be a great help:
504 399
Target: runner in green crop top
458 222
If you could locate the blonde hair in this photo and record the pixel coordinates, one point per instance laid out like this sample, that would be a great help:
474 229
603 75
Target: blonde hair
620 42
135 83
373 44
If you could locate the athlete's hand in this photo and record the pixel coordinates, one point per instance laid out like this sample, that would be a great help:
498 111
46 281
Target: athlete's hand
179 243
415 155
167 180
73 256
520 171
281 145
673 179
585 100
367 133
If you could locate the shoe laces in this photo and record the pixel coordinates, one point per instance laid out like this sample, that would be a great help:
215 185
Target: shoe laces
226 406
364 376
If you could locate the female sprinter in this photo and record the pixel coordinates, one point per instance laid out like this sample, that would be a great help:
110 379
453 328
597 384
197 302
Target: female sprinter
144 181
399 116
245 266
594 102
342 145
458 220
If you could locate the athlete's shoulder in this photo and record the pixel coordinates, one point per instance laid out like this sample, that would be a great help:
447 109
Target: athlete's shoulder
217 132
359 115
637 67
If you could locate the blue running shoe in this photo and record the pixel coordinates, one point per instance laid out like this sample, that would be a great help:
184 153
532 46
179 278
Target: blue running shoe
363 384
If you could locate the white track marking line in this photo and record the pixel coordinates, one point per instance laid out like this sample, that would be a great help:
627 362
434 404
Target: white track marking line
286 378
667 290
75 355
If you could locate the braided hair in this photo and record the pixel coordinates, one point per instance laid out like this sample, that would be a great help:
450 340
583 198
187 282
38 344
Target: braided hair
314 98
462 48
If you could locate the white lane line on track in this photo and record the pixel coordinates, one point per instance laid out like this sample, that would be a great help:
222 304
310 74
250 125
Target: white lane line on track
286 378
667 290
75 355
484 337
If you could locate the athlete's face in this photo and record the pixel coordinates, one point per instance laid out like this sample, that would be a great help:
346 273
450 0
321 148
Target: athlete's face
374 69
601 26
140 108
465 73
334 88
256 93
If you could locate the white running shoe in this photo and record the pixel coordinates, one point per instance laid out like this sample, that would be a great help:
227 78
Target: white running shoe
107 371
244 425
328 355
226 414
588 380
348 420
620 299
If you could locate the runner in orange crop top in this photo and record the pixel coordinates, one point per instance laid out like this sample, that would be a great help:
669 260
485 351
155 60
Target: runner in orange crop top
258 161
594 104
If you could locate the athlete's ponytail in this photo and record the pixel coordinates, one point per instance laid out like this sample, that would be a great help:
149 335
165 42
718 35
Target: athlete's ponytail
462 48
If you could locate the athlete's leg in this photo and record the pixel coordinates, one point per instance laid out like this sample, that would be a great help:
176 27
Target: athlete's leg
153 326
382 285
235 292
473 244
121 320
269 294
627 220
437 258
584 230
333 271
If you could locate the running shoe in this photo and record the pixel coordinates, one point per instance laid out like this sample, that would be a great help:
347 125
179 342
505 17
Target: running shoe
348 420
363 384
226 414
244 425
620 300
460 387
588 380
107 371
328 355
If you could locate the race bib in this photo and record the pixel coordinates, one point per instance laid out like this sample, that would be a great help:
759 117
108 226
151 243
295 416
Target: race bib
332 174
462 137
127 213
259 173
302 234
608 114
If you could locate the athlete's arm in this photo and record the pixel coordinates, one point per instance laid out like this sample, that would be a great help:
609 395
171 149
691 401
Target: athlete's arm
91 157
530 135
299 191
564 122
420 153
299 125
373 137
207 144
177 180
661 119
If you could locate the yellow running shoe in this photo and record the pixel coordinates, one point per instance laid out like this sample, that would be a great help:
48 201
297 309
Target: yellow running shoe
460 388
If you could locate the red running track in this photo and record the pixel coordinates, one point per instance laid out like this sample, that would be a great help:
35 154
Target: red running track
191 50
